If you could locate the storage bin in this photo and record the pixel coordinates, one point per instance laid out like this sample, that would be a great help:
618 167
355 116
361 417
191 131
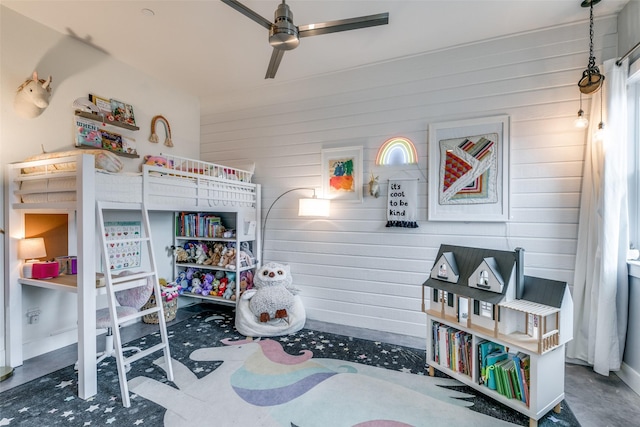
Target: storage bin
170 309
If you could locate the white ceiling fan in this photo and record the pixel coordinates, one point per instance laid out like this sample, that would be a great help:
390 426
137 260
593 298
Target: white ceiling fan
285 35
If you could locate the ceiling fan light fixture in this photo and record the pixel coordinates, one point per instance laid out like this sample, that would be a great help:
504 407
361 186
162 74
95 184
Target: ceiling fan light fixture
284 35
284 38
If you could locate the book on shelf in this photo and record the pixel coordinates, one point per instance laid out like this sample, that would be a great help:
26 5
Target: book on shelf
199 225
451 348
507 377
87 133
111 141
103 104
525 362
486 348
122 112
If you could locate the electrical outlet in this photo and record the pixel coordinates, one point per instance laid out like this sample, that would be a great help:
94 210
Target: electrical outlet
33 315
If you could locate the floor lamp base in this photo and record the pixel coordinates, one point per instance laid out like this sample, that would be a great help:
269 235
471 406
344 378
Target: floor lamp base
5 372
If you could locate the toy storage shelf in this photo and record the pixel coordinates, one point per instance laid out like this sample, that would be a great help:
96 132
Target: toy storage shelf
546 386
242 235
214 267
218 300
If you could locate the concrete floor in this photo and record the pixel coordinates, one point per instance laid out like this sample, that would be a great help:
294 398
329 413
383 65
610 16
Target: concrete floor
596 400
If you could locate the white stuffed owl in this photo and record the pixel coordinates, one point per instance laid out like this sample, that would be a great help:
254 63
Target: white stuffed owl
273 292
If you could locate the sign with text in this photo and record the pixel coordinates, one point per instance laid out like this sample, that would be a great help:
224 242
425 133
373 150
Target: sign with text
402 203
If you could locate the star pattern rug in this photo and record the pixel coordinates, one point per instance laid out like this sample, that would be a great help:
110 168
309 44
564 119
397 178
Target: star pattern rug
305 379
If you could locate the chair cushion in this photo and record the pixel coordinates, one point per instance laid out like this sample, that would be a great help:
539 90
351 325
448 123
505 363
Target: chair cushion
103 320
135 297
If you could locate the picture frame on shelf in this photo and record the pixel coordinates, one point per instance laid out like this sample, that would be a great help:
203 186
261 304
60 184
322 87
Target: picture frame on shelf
104 105
342 173
122 112
469 170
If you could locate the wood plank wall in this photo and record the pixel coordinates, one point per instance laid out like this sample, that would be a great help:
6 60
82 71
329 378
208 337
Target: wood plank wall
352 269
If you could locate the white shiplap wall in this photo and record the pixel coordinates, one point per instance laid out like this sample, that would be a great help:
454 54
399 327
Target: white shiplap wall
351 269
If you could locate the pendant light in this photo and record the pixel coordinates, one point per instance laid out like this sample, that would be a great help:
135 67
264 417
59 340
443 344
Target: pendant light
598 135
591 80
581 122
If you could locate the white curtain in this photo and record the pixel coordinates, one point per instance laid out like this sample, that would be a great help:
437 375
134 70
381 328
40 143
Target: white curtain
600 286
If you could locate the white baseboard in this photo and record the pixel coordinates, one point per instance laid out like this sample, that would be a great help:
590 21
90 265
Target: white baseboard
38 347
630 377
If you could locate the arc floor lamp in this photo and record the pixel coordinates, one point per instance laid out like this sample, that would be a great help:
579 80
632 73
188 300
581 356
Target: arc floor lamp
307 207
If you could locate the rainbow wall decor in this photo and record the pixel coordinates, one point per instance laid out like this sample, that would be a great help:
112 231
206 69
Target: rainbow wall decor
397 150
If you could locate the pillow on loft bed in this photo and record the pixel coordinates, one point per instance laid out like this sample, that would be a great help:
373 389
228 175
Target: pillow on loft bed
104 160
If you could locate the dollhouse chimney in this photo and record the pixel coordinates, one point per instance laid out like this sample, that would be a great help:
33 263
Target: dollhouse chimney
519 272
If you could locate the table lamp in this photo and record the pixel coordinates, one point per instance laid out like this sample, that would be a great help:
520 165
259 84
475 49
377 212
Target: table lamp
30 250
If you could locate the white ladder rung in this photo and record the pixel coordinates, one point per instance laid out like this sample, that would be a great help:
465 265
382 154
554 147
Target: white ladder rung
143 353
138 315
131 277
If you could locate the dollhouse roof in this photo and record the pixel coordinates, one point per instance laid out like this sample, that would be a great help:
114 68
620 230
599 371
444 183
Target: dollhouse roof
468 259
544 291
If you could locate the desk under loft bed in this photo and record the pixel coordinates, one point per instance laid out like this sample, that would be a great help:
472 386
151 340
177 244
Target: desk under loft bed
71 183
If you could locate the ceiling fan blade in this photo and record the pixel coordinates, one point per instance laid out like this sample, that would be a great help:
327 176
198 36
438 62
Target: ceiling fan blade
274 63
343 25
248 13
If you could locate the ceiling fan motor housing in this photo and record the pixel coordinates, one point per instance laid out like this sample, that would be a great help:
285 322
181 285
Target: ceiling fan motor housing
283 34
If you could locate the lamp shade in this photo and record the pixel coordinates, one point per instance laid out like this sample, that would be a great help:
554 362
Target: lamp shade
29 249
314 207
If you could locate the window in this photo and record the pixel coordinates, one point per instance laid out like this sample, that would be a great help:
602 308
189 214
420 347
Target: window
483 279
486 309
442 271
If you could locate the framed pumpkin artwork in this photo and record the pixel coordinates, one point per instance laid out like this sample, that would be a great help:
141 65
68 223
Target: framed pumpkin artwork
342 173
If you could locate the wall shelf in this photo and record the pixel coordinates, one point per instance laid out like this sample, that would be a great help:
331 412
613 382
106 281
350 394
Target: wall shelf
100 118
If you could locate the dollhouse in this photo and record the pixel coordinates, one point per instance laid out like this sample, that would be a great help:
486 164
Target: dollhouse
480 298
486 290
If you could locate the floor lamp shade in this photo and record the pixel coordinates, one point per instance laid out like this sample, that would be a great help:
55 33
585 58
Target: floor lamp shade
314 207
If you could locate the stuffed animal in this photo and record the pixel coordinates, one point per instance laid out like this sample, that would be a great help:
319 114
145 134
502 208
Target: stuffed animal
207 284
246 280
201 254
180 254
158 161
230 292
196 286
216 254
274 293
227 258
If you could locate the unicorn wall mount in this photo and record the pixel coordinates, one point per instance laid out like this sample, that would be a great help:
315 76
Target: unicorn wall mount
32 97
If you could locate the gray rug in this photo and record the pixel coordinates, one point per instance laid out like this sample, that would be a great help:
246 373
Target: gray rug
305 379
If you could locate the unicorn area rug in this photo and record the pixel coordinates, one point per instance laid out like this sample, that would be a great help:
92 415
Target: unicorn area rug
306 379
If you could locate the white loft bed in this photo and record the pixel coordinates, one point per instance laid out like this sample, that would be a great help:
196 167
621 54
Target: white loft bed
72 184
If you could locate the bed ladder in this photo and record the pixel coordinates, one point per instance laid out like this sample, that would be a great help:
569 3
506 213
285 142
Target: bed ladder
133 278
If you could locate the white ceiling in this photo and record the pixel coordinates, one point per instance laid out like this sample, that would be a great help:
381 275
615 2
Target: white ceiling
208 49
